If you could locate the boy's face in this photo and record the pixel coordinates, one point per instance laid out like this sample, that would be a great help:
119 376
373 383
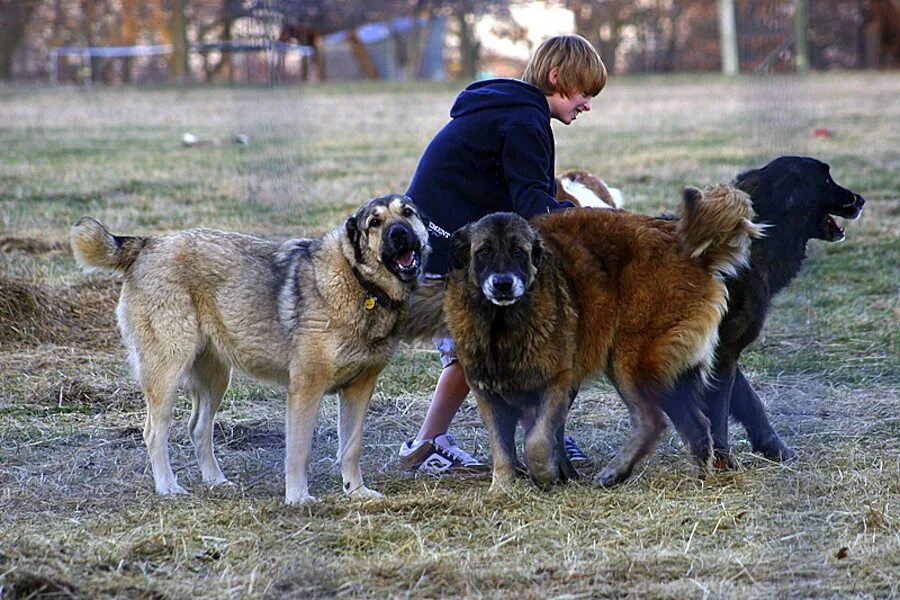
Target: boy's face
567 109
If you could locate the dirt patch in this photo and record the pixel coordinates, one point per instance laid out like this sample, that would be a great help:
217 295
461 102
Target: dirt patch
81 316
32 585
11 243
248 436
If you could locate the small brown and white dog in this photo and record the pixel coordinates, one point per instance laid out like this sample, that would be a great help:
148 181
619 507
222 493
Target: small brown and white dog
586 189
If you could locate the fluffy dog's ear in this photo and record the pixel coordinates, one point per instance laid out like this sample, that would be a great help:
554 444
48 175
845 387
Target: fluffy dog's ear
537 252
691 196
459 249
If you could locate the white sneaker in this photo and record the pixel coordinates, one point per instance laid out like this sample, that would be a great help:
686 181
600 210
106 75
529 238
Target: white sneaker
438 456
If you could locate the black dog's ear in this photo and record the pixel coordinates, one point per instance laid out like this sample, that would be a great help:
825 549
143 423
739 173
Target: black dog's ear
747 181
459 249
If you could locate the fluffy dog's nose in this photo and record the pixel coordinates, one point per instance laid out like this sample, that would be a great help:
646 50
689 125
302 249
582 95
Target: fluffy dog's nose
502 283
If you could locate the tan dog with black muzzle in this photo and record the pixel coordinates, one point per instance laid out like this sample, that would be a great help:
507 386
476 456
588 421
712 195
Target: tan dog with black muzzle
316 315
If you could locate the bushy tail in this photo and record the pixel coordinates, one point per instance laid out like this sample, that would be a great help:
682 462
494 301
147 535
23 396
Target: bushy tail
716 226
96 249
426 312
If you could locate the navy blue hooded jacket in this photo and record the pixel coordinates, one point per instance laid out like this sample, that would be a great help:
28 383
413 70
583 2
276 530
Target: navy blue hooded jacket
496 154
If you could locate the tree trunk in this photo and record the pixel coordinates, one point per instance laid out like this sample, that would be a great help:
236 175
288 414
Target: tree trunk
801 35
14 16
178 27
469 47
728 38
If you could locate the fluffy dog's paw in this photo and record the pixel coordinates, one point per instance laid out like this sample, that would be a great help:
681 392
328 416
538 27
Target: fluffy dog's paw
610 477
723 461
546 478
502 485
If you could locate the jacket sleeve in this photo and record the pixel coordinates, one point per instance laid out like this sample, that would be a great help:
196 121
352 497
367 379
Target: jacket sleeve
527 160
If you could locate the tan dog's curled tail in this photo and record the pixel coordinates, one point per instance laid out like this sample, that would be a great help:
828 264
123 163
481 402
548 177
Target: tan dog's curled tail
426 312
96 249
716 226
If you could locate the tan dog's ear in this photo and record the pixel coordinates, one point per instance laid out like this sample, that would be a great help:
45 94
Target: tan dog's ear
352 227
460 245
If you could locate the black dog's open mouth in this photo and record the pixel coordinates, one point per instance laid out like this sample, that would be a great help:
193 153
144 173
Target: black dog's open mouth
834 232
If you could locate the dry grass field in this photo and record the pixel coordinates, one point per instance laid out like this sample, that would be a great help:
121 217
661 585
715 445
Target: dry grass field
78 516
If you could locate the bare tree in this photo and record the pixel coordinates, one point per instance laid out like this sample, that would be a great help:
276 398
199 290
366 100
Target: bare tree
14 15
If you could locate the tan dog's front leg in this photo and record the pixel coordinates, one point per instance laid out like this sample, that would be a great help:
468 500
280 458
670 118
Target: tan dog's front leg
304 399
352 412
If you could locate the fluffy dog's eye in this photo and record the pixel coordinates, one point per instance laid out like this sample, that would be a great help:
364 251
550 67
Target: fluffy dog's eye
484 251
517 251
408 212
376 222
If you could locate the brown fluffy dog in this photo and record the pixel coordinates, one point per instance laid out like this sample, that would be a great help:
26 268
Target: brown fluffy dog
316 315
535 310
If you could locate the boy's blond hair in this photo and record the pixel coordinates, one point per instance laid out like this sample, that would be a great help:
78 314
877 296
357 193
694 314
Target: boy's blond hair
580 67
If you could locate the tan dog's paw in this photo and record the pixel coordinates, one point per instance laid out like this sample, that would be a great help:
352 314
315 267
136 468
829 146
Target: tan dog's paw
170 489
364 493
300 500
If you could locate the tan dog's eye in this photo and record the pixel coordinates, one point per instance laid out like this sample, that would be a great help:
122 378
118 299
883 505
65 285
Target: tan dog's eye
376 222
484 251
517 251
408 212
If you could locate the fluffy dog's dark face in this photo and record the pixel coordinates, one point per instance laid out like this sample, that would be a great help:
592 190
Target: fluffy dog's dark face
501 253
802 195
392 231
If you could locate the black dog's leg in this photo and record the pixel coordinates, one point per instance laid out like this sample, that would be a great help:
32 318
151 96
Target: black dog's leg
500 419
717 402
682 405
749 411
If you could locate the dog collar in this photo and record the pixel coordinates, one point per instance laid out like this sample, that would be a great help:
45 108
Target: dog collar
375 296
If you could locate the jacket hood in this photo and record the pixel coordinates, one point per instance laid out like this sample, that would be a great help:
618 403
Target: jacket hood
498 93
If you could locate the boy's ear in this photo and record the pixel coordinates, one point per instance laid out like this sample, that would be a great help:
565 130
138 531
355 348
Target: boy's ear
553 76
459 249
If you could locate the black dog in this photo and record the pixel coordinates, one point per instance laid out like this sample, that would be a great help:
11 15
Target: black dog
798 199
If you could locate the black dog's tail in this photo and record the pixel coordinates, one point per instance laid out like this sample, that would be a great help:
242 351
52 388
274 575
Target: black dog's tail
426 312
96 249
716 226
